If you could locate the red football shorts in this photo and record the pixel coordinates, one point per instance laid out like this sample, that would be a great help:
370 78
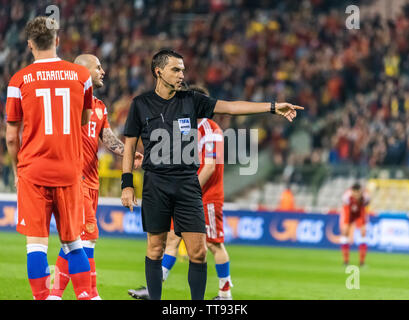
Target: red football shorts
360 220
36 204
90 227
214 222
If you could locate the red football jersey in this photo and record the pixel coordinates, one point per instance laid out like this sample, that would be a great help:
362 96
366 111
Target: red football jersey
352 206
49 96
211 145
90 135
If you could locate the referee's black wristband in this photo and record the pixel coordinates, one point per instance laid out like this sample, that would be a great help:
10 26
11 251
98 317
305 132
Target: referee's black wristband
127 180
273 107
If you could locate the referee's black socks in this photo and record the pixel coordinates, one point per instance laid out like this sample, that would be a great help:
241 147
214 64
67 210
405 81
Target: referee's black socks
153 274
197 278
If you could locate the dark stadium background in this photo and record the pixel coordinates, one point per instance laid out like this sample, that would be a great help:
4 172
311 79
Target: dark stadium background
354 85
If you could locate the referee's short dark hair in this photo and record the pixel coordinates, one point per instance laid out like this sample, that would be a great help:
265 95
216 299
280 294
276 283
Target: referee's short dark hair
160 59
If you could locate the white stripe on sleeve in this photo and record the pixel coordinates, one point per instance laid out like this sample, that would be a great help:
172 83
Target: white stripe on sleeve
13 92
87 84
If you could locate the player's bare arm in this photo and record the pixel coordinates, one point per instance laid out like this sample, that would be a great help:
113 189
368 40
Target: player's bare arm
13 144
208 168
110 140
287 110
128 194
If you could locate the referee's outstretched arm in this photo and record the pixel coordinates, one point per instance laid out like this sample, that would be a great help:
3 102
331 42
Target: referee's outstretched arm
287 110
128 194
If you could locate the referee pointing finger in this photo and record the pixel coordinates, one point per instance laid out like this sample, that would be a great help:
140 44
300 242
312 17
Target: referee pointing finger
171 187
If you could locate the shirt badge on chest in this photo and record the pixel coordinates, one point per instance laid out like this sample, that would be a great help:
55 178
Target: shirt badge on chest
184 125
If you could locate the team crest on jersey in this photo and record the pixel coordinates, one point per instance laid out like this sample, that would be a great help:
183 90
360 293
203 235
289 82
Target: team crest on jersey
184 125
99 113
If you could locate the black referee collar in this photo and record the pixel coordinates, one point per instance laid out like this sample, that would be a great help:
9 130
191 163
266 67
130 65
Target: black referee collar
162 99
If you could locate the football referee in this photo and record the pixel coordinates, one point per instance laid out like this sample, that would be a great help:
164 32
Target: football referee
171 187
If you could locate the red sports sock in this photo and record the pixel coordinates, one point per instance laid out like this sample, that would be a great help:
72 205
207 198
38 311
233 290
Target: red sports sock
345 252
61 278
94 291
82 285
363 248
40 287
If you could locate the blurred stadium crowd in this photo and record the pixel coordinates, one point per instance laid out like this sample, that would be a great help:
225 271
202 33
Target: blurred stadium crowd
354 84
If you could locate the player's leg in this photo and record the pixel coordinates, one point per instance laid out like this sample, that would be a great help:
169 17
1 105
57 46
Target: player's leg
68 212
345 226
90 234
363 246
34 214
89 248
37 267
344 241
222 262
171 251
79 269
215 239
153 263
197 275
61 276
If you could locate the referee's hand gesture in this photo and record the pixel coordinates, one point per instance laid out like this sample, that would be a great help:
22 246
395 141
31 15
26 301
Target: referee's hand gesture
287 110
128 198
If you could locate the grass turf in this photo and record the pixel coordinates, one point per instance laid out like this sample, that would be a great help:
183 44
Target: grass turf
257 272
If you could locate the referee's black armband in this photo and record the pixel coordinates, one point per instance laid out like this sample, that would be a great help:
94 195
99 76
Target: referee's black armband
273 107
127 180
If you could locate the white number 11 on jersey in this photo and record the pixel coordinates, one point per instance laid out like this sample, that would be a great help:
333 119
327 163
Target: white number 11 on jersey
48 120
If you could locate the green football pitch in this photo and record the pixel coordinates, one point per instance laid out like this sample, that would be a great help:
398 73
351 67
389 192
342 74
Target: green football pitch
257 272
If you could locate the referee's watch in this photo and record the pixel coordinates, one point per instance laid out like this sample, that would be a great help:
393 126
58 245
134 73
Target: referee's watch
273 107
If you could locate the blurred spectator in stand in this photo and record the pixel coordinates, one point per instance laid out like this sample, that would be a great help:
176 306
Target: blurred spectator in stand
287 201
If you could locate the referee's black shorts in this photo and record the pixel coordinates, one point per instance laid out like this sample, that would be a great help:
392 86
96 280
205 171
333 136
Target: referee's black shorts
177 196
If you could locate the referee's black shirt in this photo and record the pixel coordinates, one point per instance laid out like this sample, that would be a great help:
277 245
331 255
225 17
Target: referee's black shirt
149 112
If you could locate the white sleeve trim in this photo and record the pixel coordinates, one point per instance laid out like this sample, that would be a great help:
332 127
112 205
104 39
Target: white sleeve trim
214 137
87 84
13 92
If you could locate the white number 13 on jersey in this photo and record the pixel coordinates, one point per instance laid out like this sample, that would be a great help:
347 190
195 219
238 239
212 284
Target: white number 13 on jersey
48 120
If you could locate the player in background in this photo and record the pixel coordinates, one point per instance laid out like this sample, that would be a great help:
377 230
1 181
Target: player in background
211 148
50 99
355 202
98 128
